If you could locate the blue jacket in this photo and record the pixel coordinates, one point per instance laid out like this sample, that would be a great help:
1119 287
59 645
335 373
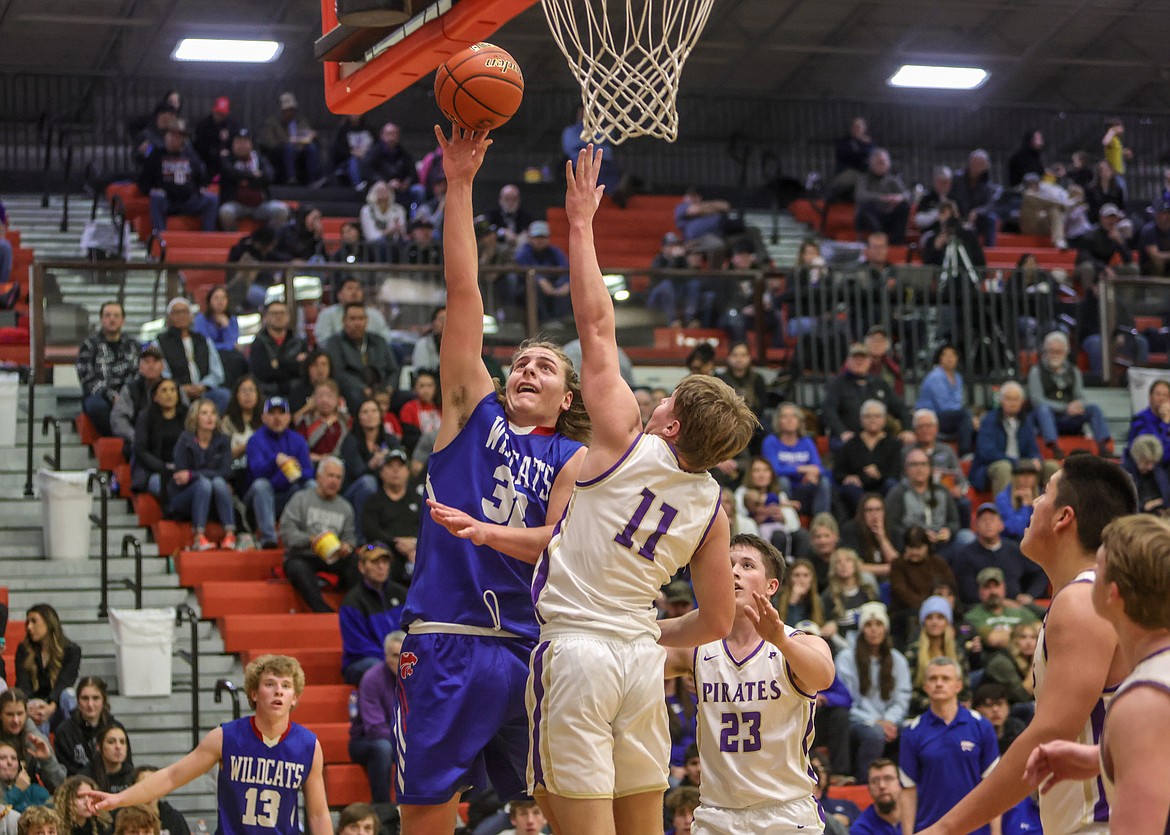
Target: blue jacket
1146 422
367 616
224 339
991 441
1015 520
263 447
213 462
937 393
785 459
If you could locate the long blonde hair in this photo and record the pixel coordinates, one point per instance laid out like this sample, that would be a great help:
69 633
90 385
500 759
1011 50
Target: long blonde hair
926 654
815 609
1022 664
836 587
63 801
574 422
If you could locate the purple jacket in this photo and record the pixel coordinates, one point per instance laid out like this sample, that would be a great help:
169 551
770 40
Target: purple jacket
376 704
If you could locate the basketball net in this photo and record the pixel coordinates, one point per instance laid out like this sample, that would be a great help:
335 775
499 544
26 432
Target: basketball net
628 65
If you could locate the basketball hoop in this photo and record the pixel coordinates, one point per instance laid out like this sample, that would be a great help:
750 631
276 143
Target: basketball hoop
628 65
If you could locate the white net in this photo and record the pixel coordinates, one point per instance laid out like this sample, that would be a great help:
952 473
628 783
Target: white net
628 56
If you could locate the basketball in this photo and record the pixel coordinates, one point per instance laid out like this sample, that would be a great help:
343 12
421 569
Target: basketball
479 88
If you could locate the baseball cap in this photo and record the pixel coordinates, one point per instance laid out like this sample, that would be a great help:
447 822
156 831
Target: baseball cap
223 105
1110 210
483 227
678 591
151 350
242 133
1022 467
274 403
858 350
671 238
538 229
986 507
878 329
288 101
374 551
991 574
396 454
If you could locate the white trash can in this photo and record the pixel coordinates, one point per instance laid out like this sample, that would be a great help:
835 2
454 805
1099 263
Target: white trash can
65 509
9 396
144 640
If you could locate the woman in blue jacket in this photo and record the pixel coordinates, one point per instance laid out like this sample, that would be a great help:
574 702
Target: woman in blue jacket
203 462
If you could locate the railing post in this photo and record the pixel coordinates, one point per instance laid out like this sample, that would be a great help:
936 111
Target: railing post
32 417
102 520
53 460
131 541
224 686
36 312
186 612
1107 313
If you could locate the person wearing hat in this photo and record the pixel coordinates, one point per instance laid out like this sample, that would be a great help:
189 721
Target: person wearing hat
1104 242
290 143
213 134
105 363
679 598
1023 580
134 396
421 246
174 178
994 617
1154 242
189 357
370 611
848 390
877 714
937 637
552 287
391 515
320 535
944 753
245 175
278 466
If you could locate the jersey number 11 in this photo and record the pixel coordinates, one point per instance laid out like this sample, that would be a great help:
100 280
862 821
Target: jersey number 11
626 537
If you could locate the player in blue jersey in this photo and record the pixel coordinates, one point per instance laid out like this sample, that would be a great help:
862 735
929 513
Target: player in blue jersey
508 457
264 761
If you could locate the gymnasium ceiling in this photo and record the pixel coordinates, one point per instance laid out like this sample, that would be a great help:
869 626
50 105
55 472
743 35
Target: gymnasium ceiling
1085 54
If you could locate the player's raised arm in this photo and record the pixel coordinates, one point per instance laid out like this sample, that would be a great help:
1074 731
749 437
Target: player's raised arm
166 780
465 379
607 397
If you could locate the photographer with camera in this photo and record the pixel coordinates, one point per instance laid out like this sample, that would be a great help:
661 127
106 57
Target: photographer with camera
950 228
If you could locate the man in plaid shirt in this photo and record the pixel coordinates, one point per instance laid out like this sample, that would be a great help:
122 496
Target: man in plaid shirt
106 362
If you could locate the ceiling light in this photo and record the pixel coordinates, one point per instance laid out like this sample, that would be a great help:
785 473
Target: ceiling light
230 51
939 78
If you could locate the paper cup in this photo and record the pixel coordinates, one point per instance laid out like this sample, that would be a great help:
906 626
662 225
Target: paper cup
291 469
326 545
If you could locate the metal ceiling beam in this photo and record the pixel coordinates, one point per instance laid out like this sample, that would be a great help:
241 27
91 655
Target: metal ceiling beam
82 20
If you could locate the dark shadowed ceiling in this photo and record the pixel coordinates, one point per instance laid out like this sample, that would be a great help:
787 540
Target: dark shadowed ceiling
1083 54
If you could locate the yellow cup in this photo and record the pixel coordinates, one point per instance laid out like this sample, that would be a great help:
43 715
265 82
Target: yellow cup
291 469
326 545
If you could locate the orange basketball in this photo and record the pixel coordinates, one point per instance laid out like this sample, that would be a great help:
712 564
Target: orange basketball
479 88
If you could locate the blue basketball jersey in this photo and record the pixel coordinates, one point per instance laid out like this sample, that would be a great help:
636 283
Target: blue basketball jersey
258 784
499 473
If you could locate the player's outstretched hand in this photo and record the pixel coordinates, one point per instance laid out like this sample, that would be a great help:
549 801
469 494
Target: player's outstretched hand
582 193
463 153
458 522
97 801
1059 760
764 617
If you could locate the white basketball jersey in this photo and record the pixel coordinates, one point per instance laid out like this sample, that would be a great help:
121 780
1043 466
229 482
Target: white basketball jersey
755 727
623 536
1152 671
1071 805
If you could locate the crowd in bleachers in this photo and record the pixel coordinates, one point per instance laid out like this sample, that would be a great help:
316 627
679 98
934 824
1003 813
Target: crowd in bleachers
900 515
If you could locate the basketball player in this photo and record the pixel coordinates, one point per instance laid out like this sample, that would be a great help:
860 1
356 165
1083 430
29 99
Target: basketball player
510 458
644 506
757 692
1131 591
1077 651
264 760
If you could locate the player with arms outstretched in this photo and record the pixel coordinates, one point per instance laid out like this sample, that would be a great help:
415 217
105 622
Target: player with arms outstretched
757 692
644 506
508 458
1077 665
264 761
1131 591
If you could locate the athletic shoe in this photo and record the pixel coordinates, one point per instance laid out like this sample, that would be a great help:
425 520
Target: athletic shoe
202 543
228 543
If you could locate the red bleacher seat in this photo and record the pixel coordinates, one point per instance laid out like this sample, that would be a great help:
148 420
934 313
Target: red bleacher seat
346 784
148 509
86 430
173 536
321 666
108 452
323 703
241 632
858 794
196 567
334 739
259 597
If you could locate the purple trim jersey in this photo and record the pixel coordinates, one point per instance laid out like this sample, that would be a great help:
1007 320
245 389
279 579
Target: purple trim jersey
496 472
259 783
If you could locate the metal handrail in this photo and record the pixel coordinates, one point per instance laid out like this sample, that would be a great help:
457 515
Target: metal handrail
222 686
53 460
131 541
102 520
32 419
185 612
